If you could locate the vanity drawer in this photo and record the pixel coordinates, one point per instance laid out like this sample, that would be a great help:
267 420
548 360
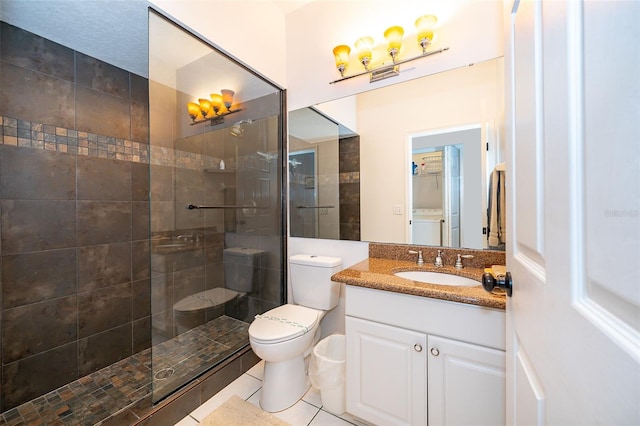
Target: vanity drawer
470 323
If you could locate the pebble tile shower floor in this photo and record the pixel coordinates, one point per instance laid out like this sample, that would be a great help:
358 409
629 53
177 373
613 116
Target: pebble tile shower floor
93 399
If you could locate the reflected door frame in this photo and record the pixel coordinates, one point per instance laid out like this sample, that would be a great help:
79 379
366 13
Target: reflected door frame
295 208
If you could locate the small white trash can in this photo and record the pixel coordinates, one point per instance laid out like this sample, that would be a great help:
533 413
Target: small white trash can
327 372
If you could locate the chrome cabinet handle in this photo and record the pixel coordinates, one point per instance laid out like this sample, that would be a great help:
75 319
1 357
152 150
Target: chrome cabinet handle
435 351
417 347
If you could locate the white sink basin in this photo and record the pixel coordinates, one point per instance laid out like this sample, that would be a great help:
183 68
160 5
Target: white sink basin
437 278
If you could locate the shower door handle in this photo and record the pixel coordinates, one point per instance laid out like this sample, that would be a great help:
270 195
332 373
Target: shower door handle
194 206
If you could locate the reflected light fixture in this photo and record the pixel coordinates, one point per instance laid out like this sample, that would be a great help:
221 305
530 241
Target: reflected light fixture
212 110
393 35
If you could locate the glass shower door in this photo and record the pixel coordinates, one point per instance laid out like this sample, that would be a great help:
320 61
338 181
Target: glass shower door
216 204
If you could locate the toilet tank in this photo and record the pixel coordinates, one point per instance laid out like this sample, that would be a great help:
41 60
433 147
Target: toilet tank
311 283
243 268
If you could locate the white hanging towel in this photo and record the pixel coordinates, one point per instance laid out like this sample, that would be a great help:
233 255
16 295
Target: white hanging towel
497 208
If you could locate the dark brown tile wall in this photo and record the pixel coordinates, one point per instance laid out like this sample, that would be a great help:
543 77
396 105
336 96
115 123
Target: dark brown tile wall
74 225
19 387
349 187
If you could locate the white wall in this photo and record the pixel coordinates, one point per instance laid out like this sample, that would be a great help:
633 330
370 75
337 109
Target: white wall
351 252
472 30
342 110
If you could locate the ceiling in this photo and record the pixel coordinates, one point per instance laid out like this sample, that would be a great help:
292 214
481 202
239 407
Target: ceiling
288 6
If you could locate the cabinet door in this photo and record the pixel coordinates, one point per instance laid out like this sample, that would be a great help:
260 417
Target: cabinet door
386 373
466 383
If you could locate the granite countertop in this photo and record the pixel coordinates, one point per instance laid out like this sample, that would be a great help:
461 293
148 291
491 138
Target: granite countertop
378 273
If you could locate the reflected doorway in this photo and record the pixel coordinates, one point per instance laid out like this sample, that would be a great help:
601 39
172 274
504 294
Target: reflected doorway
436 196
445 188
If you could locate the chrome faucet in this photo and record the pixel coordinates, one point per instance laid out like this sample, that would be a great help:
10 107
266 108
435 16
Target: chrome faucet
438 262
189 237
420 260
459 264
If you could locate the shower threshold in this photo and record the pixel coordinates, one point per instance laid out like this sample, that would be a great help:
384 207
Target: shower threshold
136 382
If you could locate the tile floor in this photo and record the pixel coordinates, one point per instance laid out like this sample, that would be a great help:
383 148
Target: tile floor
307 411
131 382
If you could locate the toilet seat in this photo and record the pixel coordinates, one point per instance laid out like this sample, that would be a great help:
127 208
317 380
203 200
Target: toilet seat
205 299
283 323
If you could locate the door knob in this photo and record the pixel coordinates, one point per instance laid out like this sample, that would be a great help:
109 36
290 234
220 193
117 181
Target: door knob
489 282
417 347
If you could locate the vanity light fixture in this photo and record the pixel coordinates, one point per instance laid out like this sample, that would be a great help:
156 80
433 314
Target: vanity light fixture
364 46
393 36
342 57
212 110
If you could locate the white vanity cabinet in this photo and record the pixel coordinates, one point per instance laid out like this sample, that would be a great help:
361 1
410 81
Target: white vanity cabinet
414 360
466 384
386 376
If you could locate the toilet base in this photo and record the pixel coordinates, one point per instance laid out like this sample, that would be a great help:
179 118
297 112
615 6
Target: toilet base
284 384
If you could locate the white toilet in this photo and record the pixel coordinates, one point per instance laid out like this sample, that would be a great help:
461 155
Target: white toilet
284 335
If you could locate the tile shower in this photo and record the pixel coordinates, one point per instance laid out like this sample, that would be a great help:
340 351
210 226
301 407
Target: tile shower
85 290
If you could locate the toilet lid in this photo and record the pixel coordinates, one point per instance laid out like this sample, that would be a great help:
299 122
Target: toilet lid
205 299
283 323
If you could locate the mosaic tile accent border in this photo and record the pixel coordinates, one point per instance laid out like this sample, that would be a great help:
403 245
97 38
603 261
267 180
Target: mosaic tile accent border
163 156
29 134
349 177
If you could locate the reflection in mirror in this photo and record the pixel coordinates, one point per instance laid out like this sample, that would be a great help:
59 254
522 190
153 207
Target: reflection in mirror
436 195
446 188
464 102
323 177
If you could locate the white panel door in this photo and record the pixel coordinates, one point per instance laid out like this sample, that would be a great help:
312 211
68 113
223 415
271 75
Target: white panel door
466 383
451 196
573 194
386 373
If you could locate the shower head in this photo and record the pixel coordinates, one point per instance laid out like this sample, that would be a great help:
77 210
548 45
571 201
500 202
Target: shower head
267 155
237 129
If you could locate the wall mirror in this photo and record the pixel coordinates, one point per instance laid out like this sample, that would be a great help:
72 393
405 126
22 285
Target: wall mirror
425 150
324 167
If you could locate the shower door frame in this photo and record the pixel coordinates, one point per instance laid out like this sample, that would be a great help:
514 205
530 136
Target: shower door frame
281 174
